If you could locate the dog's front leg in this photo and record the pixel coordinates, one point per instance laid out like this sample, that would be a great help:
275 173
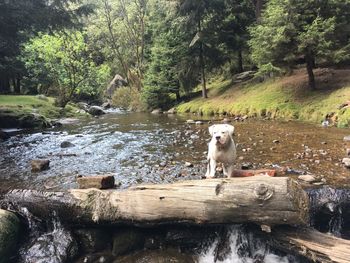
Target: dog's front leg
211 169
229 171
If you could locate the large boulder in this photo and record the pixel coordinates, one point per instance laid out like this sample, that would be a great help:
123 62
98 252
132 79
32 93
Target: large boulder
118 81
12 119
96 111
9 234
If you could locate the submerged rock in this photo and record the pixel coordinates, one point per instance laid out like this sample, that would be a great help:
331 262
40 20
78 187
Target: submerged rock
9 234
40 165
93 240
67 144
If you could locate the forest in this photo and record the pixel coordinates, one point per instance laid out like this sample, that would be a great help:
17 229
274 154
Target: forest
164 50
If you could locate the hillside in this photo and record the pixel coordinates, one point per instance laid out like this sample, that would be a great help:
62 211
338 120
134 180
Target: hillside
285 98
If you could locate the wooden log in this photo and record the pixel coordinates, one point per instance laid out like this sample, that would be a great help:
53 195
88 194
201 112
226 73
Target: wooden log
98 181
317 246
260 199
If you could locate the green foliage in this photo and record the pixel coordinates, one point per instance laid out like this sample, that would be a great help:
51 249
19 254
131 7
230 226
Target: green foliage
167 56
128 98
20 19
63 61
290 30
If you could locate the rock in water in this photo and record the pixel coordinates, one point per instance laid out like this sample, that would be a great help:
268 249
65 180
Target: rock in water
40 165
157 111
9 233
307 178
67 144
96 111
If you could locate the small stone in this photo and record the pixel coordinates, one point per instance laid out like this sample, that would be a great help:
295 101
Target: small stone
307 178
162 164
317 161
323 142
347 138
275 141
188 164
246 166
157 111
190 122
67 144
199 123
40 165
348 151
346 162
241 158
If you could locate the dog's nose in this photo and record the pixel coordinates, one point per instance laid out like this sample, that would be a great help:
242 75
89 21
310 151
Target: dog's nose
217 137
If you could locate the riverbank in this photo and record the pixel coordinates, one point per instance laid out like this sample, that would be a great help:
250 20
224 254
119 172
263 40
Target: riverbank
281 98
22 111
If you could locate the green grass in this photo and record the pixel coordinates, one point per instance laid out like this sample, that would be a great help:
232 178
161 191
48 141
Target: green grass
285 98
27 104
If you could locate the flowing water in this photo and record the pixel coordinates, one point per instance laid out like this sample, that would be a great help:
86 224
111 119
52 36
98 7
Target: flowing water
144 148
138 148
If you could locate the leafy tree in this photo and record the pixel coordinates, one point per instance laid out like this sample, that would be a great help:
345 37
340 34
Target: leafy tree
19 20
167 58
63 61
290 29
200 14
118 27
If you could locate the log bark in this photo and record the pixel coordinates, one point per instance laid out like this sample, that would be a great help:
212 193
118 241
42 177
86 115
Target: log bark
317 246
259 199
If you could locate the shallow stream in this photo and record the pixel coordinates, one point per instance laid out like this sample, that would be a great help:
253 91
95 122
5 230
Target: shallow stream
144 148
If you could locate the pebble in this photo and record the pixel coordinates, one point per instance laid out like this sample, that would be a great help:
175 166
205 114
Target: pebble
346 162
307 178
190 122
348 151
275 141
347 138
188 164
199 123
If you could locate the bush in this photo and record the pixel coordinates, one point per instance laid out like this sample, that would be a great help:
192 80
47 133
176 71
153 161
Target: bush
128 98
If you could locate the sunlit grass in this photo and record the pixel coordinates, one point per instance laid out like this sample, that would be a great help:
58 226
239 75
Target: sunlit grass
273 98
27 104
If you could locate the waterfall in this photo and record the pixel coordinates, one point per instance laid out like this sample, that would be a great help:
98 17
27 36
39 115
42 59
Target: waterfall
241 246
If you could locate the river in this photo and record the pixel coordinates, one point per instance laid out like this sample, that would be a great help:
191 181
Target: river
139 148
145 148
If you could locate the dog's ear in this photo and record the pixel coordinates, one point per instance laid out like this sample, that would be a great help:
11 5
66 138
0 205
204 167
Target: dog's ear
211 130
231 129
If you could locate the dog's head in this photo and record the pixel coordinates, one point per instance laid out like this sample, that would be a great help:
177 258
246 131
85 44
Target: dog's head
221 133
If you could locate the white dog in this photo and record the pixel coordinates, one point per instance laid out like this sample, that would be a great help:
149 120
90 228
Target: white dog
221 149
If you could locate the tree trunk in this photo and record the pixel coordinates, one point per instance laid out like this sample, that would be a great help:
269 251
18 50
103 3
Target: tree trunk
4 84
258 199
239 61
309 67
18 85
202 62
312 244
258 9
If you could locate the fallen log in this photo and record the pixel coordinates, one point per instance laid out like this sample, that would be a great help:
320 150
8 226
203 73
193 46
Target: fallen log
262 200
317 246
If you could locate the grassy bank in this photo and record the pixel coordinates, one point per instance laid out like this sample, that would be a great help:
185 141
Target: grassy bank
20 104
285 98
